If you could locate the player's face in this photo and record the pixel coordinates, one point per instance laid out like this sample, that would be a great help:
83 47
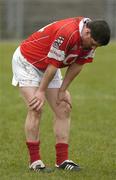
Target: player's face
87 41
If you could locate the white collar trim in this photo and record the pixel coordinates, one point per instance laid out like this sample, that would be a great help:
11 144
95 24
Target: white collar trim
81 24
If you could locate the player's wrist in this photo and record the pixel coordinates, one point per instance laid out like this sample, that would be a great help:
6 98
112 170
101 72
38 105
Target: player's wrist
41 90
62 90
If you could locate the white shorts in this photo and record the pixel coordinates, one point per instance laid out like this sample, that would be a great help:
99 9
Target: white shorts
25 74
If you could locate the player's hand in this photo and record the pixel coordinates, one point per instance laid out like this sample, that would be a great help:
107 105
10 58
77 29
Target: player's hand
63 96
37 101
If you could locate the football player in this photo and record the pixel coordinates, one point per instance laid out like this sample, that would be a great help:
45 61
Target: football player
36 66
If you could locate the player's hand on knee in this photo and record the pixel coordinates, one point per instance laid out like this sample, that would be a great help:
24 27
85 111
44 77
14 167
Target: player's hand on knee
64 96
37 101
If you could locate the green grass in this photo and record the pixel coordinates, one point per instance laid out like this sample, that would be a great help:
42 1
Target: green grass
93 127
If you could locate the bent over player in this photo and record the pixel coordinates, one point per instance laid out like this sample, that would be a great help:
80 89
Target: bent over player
36 70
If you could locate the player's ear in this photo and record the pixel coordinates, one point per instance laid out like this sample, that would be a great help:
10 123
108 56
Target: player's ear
88 31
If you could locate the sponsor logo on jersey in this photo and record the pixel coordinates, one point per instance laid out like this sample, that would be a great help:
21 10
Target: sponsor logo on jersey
58 42
56 54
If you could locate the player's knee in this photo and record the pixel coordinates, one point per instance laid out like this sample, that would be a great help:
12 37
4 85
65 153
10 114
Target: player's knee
67 107
63 110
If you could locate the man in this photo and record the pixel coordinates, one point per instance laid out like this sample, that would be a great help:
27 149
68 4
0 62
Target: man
36 70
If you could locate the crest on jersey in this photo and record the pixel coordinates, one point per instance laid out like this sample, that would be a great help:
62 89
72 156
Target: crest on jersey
58 42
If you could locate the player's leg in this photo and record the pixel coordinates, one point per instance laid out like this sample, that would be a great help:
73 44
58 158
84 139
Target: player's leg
32 131
31 124
61 116
27 78
33 117
61 129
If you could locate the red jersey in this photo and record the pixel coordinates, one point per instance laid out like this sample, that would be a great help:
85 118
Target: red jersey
58 43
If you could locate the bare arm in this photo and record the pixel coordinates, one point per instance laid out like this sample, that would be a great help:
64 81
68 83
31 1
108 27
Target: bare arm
47 77
72 71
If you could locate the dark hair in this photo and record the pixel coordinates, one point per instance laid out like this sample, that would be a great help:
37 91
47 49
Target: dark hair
100 31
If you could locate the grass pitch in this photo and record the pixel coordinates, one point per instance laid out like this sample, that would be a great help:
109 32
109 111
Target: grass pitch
93 127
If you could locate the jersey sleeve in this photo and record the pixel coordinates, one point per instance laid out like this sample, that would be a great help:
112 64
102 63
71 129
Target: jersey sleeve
86 59
57 52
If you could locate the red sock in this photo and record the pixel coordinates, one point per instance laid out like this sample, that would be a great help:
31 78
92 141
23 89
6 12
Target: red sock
61 152
34 153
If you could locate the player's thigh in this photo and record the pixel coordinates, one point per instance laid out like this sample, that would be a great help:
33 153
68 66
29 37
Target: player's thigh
51 96
27 93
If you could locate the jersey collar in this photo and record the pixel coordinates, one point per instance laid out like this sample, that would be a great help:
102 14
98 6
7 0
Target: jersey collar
82 23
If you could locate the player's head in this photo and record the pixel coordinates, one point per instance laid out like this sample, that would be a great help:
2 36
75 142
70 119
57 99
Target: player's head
95 33
100 31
